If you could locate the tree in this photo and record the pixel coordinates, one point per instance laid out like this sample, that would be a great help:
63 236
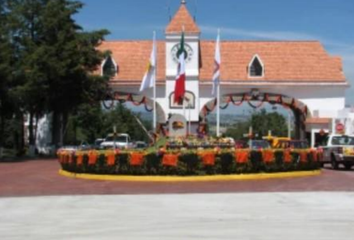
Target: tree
57 59
6 61
91 122
261 122
70 58
30 90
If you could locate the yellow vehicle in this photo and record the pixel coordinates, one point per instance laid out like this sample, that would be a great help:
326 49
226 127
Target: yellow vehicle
274 141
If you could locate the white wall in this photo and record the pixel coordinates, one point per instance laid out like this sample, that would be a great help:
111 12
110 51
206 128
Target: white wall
327 100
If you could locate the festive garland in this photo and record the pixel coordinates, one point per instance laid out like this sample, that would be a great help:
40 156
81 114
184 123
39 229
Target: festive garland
246 98
129 98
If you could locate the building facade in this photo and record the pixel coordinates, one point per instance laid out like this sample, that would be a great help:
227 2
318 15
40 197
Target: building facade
298 74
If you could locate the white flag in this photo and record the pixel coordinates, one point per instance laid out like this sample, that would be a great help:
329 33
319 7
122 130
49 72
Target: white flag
149 77
217 62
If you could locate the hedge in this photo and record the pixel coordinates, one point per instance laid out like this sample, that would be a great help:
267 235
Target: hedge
188 163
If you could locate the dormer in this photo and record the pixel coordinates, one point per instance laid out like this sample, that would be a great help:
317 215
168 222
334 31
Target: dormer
109 68
256 67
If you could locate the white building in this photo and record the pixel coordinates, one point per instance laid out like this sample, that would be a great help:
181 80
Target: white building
306 77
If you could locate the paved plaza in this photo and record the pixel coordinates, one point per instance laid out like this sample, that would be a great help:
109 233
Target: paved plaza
41 178
185 216
37 203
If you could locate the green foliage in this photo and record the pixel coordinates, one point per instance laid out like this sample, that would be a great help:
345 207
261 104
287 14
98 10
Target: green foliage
190 163
91 122
261 122
51 60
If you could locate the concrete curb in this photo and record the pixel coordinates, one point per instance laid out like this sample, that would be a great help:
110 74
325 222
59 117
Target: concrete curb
239 177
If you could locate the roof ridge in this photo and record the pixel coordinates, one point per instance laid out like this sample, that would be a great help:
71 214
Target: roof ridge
181 19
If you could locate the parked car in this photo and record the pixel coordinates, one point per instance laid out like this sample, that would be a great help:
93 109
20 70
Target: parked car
293 144
141 145
240 144
82 146
121 141
258 144
97 144
274 141
338 149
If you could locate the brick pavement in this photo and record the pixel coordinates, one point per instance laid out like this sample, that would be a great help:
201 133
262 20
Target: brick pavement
41 178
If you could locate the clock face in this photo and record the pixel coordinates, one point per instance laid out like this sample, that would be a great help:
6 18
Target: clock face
188 52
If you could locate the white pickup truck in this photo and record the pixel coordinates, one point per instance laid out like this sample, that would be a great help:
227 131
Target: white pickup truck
121 141
338 149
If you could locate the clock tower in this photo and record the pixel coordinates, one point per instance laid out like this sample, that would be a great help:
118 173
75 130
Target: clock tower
183 20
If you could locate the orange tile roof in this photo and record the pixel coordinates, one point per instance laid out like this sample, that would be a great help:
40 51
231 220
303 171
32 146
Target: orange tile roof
284 61
182 18
132 58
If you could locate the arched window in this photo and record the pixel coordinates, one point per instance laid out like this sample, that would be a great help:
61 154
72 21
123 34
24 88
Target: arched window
109 67
189 101
256 67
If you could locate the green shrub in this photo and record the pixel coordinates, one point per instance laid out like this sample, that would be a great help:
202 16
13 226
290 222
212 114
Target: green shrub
190 163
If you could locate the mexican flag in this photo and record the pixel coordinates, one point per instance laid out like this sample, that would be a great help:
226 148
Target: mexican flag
180 86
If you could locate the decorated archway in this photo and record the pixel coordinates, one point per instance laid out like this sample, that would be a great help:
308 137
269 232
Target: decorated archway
256 100
136 100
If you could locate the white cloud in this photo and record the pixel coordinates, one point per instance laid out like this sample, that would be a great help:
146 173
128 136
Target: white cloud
272 35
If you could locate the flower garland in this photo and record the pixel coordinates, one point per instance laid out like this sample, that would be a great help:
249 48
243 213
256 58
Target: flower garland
128 98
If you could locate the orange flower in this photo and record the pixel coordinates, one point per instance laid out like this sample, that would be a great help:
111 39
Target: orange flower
314 155
70 157
64 156
208 158
111 158
80 158
268 156
136 159
242 156
93 155
287 156
303 157
170 160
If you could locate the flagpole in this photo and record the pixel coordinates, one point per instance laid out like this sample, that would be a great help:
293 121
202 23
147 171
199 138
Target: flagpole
218 103
189 117
154 88
183 99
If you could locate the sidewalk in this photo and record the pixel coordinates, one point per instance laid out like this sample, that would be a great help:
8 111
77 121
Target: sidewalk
205 216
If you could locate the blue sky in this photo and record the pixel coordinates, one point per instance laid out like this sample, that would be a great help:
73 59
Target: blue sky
329 21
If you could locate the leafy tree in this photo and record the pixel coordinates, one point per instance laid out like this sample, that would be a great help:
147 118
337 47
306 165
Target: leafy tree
56 61
238 130
30 89
91 122
70 57
6 62
261 123
125 122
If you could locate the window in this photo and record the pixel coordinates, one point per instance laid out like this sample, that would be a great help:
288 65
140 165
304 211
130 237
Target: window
189 101
256 68
342 141
109 67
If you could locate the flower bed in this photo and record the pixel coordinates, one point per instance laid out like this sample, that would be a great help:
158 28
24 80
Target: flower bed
189 162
